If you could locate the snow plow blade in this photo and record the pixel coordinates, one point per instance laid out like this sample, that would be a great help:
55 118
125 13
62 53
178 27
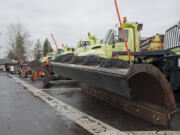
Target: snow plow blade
140 89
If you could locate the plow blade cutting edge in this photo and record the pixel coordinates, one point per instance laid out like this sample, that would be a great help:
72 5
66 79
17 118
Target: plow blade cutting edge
141 90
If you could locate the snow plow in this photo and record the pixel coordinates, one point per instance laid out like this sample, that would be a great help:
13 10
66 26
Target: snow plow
118 72
42 69
140 89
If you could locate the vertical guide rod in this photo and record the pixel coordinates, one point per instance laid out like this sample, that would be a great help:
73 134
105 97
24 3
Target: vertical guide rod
115 1
54 42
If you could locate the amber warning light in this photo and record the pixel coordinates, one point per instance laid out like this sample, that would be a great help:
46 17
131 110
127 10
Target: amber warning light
124 19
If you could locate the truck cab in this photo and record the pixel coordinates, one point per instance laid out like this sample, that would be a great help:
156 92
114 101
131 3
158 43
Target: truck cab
113 41
65 50
49 56
84 46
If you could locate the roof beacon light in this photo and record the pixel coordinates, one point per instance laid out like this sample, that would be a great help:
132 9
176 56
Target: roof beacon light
124 19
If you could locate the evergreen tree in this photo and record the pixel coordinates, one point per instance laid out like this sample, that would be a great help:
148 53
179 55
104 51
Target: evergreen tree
20 48
18 53
18 42
46 47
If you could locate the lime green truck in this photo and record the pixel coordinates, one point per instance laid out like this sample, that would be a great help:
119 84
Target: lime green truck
49 56
85 46
166 58
81 49
52 55
113 41
163 51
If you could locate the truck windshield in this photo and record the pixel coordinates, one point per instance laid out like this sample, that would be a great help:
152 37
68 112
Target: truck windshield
108 34
61 51
84 43
121 39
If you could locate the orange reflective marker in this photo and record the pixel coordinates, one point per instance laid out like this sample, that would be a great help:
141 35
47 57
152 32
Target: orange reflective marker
115 1
54 41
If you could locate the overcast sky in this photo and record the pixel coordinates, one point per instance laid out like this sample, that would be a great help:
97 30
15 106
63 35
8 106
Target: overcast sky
71 20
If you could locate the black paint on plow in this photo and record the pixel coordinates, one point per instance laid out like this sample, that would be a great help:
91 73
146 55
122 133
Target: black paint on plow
138 82
92 61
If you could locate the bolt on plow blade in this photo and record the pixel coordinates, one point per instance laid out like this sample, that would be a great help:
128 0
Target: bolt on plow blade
141 90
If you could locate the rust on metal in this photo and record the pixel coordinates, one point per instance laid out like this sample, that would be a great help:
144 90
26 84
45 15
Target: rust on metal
140 82
156 117
145 81
149 84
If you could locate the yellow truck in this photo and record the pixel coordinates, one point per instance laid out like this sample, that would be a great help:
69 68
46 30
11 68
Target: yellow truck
85 46
145 87
113 41
49 56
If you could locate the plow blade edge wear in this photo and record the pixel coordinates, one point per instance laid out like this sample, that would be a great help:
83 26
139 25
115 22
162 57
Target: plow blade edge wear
142 87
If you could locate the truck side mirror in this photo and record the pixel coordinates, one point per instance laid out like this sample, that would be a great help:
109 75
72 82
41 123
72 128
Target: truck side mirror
139 28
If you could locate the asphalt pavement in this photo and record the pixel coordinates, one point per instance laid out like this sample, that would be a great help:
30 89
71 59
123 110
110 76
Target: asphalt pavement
23 114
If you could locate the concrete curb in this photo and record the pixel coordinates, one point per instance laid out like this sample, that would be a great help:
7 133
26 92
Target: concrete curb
90 124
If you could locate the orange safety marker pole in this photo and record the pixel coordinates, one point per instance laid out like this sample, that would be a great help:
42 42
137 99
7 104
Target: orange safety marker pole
54 41
117 9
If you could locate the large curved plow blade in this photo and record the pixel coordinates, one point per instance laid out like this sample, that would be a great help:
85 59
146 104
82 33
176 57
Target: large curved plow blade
147 83
140 89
